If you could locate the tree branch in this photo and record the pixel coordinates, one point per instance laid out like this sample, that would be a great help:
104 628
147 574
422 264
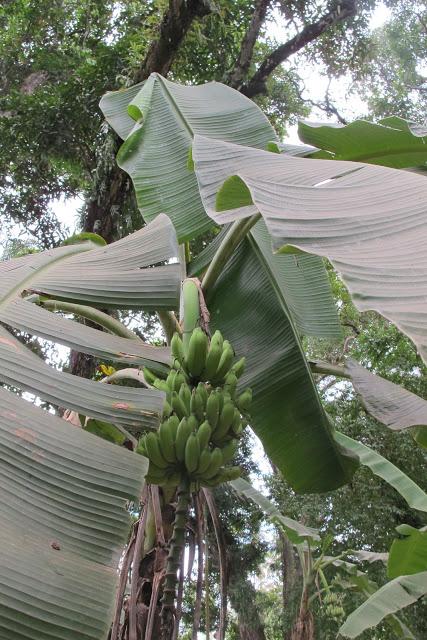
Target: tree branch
339 12
103 209
174 26
235 77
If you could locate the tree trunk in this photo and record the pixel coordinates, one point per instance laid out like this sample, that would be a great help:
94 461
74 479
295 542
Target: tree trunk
303 628
242 598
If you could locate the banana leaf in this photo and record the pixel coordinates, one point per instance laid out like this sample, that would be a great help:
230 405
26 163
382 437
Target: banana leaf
408 489
392 142
295 531
64 521
166 116
389 403
248 305
392 597
408 554
370 221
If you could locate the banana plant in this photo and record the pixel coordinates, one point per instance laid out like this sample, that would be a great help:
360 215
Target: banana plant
239 336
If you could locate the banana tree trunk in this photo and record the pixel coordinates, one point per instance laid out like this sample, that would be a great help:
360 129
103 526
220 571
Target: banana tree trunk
303 628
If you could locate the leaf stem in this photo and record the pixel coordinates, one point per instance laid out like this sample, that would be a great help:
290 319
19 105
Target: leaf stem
94 315
169 323
235 235
328 369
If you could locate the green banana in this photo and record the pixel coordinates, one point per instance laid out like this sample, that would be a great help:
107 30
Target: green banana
178 406
192 453
149 376
152 446
197 350
174 423
212 409
230 383
177 349
225 420
167 410
212 361
204 434
229 450
204 462
215 464
180 379
193 422
141 447
217 339
239 367
230 473
244 400
162 385
203 393
170 380
238 430
182 435
185 395
166 441
225 361
196 404
235 425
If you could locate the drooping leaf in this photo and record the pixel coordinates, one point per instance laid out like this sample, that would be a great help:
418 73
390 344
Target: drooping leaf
368 556
392 142
370 221
63 524
392 597
155 152
249 307
408 555
408 489
389 403
295 531
86 272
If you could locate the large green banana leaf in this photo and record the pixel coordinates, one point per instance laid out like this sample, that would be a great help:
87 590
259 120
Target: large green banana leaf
166 117
408 489
296 532
63 524
389 403
408 554
392 597
248 305
63 490
370 221
392 142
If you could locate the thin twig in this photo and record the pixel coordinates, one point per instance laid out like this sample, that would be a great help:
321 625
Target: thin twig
127 561
139 544
223 565
197 614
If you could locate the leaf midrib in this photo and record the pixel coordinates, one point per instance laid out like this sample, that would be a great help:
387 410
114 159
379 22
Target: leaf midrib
24 284
259 256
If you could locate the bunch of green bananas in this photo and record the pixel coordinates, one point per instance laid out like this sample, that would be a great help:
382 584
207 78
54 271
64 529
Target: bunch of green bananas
202 419
334 608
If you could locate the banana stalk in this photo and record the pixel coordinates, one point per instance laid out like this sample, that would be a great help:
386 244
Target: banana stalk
176 549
